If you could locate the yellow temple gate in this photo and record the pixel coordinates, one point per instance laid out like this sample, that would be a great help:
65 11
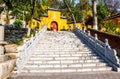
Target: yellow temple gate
54 21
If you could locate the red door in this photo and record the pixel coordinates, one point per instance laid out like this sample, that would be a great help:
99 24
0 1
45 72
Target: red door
54 26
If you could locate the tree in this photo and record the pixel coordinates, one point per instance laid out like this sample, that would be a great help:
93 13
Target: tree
70 11
112 5
102 13
86 9
54 3
78 14
1 6
8 6
38 9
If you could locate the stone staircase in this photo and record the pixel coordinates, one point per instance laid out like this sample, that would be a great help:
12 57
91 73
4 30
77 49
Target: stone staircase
61 52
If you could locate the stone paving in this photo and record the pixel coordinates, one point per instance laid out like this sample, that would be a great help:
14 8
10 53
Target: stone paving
86 75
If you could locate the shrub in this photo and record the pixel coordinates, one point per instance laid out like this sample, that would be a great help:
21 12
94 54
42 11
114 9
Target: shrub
110 27
18 23
18 42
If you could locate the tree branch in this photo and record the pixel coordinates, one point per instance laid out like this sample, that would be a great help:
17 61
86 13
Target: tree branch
70 11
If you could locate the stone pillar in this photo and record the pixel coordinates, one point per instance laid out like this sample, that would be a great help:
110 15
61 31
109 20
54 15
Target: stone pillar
1 33
1 40
1 50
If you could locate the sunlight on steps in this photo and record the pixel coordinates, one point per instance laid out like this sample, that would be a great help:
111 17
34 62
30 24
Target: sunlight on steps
62 51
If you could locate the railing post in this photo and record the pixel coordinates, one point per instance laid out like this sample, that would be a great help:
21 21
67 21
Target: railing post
89 33
83 28
106 46
25 42
96 38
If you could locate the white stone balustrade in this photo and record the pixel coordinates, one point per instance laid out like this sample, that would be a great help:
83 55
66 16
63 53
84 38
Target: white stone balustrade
102 49
25 51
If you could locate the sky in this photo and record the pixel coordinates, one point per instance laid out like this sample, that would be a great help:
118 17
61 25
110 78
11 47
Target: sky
77 1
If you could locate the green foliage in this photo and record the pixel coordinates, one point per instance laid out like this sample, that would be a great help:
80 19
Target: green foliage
102 12
77 13
75 10
1 9
18 23
118 33
110 27
32 32
18 42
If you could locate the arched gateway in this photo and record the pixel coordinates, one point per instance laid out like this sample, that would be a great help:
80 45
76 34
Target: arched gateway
54 26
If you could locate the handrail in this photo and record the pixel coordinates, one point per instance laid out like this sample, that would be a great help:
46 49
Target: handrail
102 49
27 49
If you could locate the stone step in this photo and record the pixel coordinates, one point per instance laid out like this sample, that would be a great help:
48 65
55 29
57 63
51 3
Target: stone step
63 55
65 61
60 70
83 75
52 65
65 58
55 50
61 52
70 45
45 46
60 46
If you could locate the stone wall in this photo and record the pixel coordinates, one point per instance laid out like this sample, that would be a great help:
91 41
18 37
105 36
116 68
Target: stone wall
13 35
114 40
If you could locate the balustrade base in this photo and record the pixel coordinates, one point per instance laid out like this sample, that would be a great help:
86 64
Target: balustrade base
116 69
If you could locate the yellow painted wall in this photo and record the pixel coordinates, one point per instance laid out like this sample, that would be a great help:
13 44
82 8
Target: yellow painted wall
63 24
70 26
34 23
79 25
89 26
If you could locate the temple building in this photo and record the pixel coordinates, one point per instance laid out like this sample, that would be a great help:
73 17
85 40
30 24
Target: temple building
54 21
115 19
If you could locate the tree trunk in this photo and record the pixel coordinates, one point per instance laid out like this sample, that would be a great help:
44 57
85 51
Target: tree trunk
7 17
29 28
32 13
28 32
94 14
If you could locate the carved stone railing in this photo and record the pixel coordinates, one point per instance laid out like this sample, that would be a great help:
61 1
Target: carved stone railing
27 49
102 49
